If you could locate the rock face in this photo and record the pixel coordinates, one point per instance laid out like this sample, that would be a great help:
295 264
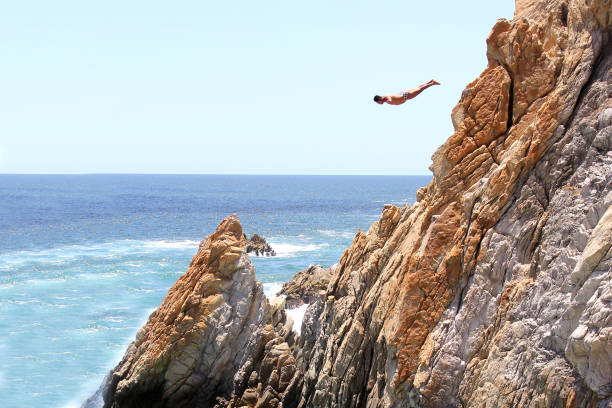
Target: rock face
493 290
211 329
306 286
268 378
258 246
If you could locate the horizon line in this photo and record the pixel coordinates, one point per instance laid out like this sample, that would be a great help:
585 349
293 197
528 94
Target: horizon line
210 174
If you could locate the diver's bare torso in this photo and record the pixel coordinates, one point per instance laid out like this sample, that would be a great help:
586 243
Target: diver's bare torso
398 99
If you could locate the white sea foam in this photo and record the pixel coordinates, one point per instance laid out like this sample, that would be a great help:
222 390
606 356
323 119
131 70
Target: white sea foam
272 288
336 234
135 264
106 250
186 244
297 315
292 250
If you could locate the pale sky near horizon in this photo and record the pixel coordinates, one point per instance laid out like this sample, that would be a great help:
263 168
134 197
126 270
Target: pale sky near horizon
269 87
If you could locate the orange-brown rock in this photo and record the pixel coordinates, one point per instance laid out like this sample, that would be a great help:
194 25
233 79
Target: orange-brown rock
170 359
211 327
435 305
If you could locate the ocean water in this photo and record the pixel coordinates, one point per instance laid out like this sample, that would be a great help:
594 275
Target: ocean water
84 259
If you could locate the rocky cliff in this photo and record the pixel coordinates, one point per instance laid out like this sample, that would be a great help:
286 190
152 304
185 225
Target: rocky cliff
493 290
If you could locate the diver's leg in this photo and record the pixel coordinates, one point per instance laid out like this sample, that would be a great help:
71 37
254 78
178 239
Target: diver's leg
411 93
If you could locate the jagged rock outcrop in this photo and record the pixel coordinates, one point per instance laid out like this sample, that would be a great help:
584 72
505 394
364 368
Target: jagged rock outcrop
269 375
258 246
211 332
306 286
493 290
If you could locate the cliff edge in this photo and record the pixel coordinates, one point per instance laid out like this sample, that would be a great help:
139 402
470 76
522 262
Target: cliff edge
493 290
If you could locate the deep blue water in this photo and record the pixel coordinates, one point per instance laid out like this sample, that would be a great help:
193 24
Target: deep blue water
84 259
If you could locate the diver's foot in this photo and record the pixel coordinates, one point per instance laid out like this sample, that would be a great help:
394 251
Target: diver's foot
434 82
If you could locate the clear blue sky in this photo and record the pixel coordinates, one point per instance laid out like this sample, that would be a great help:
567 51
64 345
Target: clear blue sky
246 87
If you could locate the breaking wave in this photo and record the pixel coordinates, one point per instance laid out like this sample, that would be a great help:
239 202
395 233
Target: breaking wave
291 250
297 315
106 250
272 288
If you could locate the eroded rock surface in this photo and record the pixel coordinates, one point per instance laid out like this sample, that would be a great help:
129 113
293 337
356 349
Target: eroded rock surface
210 332
307 286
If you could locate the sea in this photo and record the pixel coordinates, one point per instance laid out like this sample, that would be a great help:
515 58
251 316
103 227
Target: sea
84 259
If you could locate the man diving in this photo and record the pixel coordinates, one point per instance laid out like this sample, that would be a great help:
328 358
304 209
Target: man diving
398 99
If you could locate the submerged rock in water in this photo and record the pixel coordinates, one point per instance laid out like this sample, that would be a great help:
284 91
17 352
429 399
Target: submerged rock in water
257 245
307 286
493 290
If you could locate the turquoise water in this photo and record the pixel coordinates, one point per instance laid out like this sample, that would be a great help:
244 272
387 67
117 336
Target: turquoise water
85 259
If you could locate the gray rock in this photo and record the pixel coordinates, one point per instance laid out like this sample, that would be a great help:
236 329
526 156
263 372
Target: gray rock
307 286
